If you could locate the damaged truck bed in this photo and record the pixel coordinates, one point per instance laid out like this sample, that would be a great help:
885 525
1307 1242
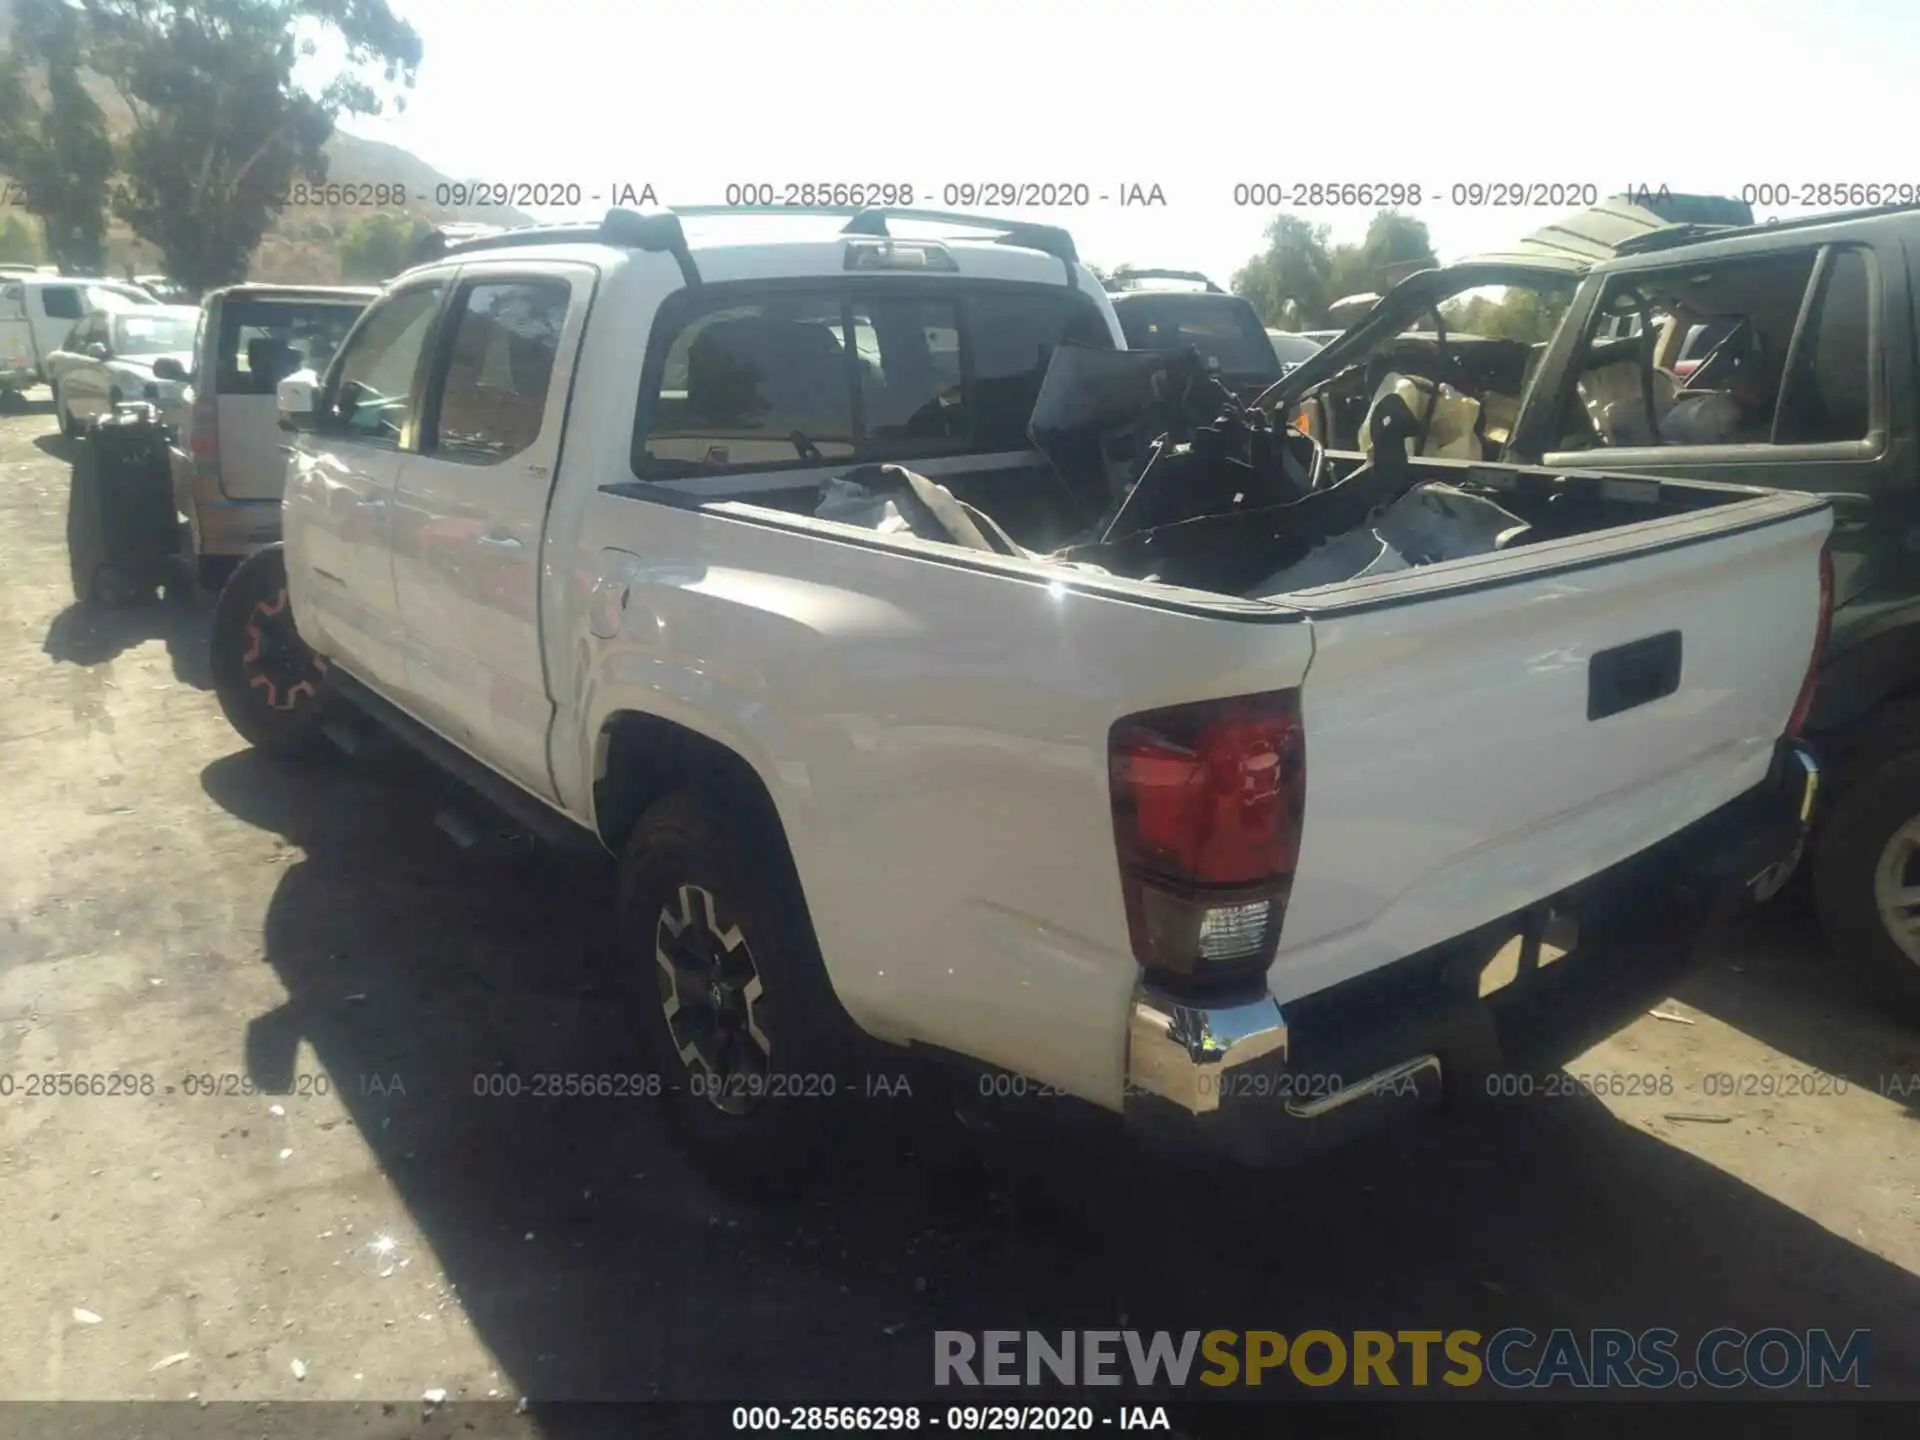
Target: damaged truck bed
1236 504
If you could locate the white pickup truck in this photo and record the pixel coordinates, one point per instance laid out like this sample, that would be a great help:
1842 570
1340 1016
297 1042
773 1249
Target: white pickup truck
609 521
38 312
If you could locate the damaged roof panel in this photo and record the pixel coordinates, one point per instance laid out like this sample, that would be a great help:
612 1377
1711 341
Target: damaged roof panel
1576 243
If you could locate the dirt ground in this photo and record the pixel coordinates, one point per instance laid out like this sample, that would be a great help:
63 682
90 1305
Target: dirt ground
172 906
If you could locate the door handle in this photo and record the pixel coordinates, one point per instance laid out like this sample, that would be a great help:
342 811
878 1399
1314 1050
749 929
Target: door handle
376 503
500 544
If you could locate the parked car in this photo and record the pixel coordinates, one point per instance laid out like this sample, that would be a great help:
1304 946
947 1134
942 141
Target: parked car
1782 355
38 312
1290 348
1224 328
228 459
1129 820
113 356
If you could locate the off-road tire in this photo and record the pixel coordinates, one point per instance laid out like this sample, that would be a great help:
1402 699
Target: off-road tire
96 580
685 848
1848 850
271 686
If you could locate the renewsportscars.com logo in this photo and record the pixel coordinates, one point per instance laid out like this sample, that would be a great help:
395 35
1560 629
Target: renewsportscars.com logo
1511 1359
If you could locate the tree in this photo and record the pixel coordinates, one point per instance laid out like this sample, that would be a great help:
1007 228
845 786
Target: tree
19 244
220 130
379 246
1288 282
53 137
1396 245
1295 279
1530 316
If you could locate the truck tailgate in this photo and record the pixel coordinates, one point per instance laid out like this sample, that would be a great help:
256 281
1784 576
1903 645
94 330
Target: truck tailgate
1481 735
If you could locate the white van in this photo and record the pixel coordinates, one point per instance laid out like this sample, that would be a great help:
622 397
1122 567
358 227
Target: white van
38 312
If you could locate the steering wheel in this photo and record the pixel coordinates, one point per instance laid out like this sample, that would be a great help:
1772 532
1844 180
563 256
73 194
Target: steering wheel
1449 364
1743 332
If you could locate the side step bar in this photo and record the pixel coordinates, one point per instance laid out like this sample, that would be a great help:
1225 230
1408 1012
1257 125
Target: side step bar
466 830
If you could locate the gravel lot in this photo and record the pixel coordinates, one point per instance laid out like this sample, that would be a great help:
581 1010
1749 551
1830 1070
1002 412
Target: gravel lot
172 906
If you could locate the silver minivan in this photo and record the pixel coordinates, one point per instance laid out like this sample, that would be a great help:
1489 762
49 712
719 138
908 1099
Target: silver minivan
227 461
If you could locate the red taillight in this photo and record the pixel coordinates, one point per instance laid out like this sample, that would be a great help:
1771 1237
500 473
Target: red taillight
1808 686
1208 801
203 443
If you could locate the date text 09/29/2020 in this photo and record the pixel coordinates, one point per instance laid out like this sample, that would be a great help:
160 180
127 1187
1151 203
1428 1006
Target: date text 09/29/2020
957 1419
1239 1086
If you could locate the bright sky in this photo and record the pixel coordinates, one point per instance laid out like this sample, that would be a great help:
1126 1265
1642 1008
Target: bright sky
1700 95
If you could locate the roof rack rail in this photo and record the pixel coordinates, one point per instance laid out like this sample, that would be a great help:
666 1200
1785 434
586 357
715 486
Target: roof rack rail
1670 236
1126 274
661 231
652 230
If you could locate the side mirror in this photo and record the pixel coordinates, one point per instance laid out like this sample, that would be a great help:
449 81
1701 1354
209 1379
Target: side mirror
96 350
296 396
168 368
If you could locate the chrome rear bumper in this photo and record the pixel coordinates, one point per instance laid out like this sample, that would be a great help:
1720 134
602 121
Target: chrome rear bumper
1178 1050
1234 1074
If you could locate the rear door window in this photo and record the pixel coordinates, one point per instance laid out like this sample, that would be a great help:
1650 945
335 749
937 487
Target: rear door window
492 398
790 379
1828 395
262 341
1754 355
61 302
1714 376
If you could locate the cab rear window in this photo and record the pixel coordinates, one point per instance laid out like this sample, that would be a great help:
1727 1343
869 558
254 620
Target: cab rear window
753 377
264 341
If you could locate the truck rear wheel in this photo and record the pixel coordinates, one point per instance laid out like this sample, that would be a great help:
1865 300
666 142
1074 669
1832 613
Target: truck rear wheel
270 684
1866 879
718 959
213 571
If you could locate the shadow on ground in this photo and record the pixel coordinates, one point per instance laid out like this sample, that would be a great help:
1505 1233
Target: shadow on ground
1776 981
12 402
641 1281
86 634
